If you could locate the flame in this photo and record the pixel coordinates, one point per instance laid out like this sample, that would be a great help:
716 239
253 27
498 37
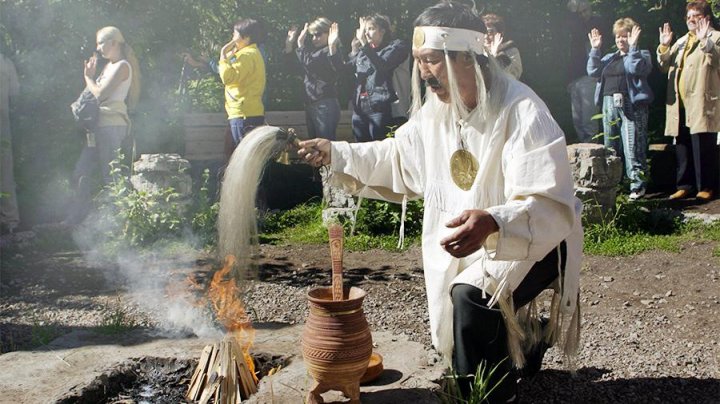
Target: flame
230 311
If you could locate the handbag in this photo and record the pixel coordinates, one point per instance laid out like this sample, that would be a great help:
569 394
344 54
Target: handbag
86 110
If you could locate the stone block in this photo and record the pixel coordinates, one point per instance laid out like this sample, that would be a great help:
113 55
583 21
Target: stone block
154 173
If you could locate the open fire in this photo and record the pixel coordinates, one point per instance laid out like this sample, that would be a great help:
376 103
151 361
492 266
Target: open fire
225 371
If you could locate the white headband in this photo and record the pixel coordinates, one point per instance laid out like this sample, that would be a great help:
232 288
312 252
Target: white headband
449 39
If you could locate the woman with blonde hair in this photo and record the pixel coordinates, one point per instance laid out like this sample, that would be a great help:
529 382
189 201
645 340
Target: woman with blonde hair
624 94
117 89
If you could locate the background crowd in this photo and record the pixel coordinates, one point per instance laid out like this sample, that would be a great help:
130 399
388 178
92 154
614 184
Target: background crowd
362 63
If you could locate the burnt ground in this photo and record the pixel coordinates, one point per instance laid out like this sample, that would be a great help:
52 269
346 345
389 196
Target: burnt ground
651 322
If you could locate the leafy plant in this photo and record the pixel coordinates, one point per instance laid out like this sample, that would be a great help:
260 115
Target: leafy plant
204 220
143 217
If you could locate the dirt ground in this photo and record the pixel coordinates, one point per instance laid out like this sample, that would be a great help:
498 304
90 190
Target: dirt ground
650 322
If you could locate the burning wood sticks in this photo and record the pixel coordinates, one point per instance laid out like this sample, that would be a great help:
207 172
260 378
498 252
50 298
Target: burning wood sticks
225 373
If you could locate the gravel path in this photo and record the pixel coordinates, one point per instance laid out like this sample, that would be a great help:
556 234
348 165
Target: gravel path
651 322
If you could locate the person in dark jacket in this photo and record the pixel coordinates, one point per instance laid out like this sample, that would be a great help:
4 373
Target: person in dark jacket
374 57
319 57
623 93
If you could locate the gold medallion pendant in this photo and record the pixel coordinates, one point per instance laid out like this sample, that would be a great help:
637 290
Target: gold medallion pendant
463 169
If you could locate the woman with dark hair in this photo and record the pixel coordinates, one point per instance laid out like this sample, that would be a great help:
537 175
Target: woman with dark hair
319 57
374 57
242 70
693 99
504 50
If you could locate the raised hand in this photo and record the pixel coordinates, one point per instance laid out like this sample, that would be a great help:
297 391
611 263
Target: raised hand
595 38
290 40
703 28
360 32
333 38
666 34
634 36
495 44
302 36
90 67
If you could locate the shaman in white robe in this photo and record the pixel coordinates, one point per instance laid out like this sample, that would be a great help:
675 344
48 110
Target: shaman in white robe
524 182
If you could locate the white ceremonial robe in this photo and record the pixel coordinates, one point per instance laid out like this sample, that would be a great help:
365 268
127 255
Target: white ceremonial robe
524 182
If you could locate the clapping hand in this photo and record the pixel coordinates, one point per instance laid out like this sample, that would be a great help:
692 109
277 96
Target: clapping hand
90 67
360 32
333 38
666 34
595 38
291 35
302 36
494 44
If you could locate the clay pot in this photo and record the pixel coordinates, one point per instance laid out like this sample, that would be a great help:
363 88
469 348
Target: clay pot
336 343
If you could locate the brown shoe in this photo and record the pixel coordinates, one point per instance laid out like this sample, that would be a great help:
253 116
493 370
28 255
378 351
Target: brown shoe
680 194
705 194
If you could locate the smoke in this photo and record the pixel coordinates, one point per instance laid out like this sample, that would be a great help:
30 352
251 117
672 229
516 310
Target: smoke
159 280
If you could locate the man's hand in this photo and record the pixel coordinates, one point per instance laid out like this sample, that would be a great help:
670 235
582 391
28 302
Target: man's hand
316 152
473 228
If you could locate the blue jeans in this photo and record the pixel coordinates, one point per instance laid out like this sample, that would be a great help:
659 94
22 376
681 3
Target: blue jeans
370 122
582 101
240 126
625 130
94 159
322 118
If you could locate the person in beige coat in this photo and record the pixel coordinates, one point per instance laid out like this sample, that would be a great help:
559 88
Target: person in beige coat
693 100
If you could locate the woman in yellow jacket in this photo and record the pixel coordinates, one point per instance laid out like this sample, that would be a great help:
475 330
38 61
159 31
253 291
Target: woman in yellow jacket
242 70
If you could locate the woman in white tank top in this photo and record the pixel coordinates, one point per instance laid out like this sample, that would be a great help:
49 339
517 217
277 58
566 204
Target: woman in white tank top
117 88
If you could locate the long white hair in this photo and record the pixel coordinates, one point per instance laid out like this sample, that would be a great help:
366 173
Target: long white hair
489 98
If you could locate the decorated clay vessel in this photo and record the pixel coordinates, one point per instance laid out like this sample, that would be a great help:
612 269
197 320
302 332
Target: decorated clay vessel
336 343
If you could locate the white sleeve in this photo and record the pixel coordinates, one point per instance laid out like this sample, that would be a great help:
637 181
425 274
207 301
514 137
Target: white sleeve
387 169
541 208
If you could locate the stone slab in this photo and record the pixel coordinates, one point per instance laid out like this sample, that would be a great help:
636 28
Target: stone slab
74 360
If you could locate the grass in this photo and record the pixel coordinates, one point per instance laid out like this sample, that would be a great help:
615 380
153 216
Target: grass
117 320
480 390
636 227
42 333
303 225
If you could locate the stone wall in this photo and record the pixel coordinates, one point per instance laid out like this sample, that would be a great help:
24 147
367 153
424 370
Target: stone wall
596 172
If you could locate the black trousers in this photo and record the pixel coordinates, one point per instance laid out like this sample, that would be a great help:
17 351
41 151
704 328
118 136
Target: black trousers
479 332
697 159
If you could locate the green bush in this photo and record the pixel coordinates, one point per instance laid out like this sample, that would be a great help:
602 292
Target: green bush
139 218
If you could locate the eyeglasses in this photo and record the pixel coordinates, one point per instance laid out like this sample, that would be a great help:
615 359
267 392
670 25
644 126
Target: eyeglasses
694 16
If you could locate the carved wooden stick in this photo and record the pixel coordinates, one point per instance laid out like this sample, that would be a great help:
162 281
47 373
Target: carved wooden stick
335 231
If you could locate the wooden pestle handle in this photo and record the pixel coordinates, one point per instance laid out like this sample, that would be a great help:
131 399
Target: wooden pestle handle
335 233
